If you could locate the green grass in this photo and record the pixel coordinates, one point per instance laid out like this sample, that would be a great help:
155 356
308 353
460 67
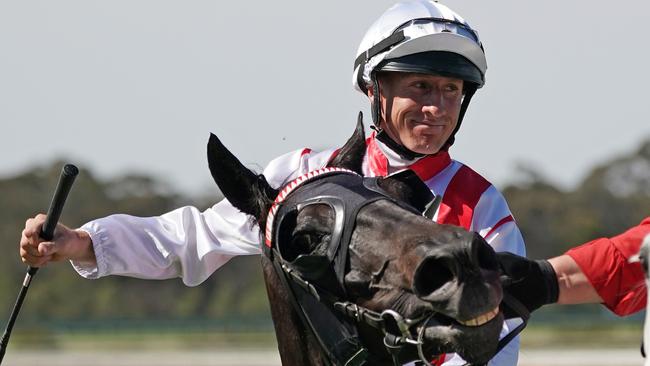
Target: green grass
143 340
534 336
582 336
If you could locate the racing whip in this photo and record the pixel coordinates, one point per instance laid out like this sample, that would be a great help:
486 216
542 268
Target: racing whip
68 175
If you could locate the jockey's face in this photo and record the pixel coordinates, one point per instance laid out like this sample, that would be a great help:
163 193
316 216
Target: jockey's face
419 111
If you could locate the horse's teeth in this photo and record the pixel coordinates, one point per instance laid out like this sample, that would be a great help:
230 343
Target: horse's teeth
481 319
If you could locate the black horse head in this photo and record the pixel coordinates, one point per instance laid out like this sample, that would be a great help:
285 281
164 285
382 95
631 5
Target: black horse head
355 255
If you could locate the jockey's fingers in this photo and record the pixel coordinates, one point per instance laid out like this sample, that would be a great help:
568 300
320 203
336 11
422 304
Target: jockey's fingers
34 261
30 231
28 245
42 261
30 250
33 226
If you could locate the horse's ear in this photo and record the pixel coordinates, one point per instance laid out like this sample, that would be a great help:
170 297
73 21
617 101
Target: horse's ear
352 153
408 187
247 191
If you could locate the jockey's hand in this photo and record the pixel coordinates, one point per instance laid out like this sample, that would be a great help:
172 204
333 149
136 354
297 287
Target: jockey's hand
66 244
532 282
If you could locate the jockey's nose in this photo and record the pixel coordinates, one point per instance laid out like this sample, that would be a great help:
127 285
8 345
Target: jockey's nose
433 106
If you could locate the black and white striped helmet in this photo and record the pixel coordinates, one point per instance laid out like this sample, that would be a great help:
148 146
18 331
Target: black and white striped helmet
420 36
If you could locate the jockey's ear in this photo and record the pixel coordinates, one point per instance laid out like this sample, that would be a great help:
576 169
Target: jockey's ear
247 191
352 153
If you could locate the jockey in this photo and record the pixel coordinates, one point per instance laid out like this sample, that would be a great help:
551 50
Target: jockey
600 271
419 64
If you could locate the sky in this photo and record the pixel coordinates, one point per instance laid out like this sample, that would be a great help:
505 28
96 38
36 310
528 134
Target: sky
127 86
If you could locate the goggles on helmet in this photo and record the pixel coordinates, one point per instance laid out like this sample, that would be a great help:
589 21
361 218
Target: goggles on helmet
430 45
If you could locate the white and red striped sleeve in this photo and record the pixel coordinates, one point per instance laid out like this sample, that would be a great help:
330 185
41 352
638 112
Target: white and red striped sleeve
494 221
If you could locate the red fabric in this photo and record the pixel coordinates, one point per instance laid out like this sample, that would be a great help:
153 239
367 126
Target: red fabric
504 220
457 206
438 361
605 262
377 161
427 167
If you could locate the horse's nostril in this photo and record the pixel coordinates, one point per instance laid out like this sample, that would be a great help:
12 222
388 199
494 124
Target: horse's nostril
485 256
431 274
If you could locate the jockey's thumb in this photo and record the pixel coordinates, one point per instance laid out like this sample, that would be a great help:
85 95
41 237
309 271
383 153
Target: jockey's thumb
47 248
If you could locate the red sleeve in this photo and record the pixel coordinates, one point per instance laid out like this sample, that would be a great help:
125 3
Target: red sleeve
604 261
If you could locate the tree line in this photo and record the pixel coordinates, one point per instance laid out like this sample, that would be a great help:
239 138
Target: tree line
614 196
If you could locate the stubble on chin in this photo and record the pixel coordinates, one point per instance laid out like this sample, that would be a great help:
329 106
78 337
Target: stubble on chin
425 145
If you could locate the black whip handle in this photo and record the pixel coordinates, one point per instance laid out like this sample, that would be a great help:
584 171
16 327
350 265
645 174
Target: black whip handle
68 175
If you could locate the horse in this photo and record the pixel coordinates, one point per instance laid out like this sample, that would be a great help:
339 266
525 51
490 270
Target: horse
356 274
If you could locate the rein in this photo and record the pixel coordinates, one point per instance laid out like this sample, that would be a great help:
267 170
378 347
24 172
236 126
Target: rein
396 329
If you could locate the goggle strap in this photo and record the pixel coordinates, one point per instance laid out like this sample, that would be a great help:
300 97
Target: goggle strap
386 43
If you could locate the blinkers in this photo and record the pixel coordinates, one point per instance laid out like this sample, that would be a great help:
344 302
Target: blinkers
345 192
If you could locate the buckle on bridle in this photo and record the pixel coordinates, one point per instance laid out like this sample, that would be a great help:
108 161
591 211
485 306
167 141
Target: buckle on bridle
396 321
397 333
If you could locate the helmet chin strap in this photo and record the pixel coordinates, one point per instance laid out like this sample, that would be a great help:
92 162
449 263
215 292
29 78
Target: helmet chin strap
382 136
401 150
470 89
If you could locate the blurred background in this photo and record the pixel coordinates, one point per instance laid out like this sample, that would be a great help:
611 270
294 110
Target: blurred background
130 90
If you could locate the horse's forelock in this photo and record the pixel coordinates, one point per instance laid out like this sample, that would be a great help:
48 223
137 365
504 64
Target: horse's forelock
262 196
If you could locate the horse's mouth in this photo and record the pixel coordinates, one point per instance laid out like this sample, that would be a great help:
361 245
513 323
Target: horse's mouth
475 340
481 319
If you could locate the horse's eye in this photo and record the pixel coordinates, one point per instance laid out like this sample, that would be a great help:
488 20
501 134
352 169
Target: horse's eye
306 243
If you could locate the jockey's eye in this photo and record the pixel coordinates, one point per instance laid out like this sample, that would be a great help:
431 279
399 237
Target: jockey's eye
452 90
420 85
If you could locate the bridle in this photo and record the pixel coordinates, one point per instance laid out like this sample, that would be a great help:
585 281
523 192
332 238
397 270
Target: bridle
321 307
315 281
